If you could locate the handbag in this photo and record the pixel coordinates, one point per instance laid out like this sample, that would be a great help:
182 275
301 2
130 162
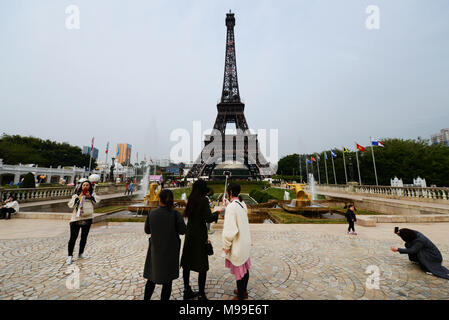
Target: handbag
209 248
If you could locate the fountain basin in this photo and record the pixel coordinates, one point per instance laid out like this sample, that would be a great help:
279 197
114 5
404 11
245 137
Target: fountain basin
146 207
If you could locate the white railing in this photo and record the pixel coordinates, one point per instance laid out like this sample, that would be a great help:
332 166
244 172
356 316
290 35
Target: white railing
53 193
418 193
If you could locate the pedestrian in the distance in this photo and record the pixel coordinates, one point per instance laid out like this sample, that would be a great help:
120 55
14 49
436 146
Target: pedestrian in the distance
351 218
126 188
130 188
237 240
82 202
162 263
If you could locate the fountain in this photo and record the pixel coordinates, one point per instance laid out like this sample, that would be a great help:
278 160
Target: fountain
304 202
286 195
150 201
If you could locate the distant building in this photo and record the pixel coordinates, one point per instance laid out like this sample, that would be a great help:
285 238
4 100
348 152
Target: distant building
124 153
441 138
86 150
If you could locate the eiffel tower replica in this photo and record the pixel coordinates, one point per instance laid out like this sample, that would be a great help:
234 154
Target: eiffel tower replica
243 147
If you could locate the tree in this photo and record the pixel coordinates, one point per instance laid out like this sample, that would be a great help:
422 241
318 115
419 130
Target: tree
15 149
406 159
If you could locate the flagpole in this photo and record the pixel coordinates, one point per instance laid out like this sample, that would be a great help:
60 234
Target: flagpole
358 167
107 153
344 165
374 161
318 167
333 167
325 166
300 169
90 159
307 171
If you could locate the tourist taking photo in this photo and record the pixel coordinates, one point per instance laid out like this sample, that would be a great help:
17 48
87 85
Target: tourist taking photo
82 203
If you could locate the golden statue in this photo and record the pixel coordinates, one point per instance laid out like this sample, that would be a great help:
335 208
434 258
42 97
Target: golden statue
302 198
152 195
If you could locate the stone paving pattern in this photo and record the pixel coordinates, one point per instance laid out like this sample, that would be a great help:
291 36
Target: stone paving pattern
291 262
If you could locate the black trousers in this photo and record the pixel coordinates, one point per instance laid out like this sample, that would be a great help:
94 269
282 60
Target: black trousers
165 293
242 286
75 227
201 280
351 226
5 213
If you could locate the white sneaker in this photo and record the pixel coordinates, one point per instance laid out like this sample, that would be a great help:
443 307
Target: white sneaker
82 256
429 273
69 260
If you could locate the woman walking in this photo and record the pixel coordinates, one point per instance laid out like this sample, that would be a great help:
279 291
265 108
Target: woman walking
237 241
162 263
194 254
82 203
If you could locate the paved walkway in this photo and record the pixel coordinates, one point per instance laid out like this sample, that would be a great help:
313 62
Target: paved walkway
289 262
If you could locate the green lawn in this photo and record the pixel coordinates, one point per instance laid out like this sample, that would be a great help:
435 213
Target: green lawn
177 193
108 209
278 193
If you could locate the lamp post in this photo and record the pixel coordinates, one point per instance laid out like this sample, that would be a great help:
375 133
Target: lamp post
111 174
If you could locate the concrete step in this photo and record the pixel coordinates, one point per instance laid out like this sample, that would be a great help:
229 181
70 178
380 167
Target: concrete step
371 220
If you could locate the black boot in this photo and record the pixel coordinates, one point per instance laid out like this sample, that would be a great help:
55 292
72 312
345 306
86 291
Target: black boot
189 294
202 296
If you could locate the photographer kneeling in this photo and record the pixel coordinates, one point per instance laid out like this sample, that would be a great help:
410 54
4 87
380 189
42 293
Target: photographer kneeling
422 251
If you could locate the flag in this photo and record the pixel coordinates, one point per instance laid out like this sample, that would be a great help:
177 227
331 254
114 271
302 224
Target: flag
345 149
92 146
318 157
325 155
118 151
363 149
377 143
137 157
313 159
107 148
333 154
308 161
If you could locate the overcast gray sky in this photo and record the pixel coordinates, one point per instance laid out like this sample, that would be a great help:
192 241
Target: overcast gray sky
136 70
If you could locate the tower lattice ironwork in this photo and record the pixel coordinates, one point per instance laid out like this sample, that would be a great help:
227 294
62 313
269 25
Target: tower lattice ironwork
219 147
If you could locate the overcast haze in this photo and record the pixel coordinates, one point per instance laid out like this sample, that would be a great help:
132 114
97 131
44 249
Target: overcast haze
136 70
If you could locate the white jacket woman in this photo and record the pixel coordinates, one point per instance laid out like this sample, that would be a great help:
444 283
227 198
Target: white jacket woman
236 234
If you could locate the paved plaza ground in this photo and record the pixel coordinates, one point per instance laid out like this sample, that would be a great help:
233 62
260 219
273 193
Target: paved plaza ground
291 262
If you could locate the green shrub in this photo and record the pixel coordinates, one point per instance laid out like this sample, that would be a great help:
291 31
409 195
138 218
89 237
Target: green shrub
29 181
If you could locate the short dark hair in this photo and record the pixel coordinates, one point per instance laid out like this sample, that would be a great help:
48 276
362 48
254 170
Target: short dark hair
407 235
234 189
166 197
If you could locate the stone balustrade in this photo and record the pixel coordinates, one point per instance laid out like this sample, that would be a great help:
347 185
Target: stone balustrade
54 193
413 193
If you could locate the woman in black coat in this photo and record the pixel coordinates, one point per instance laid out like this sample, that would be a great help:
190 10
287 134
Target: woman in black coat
422 251
194 254
162 263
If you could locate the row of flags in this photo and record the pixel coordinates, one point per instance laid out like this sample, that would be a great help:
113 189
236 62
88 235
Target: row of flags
374 142
345 150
